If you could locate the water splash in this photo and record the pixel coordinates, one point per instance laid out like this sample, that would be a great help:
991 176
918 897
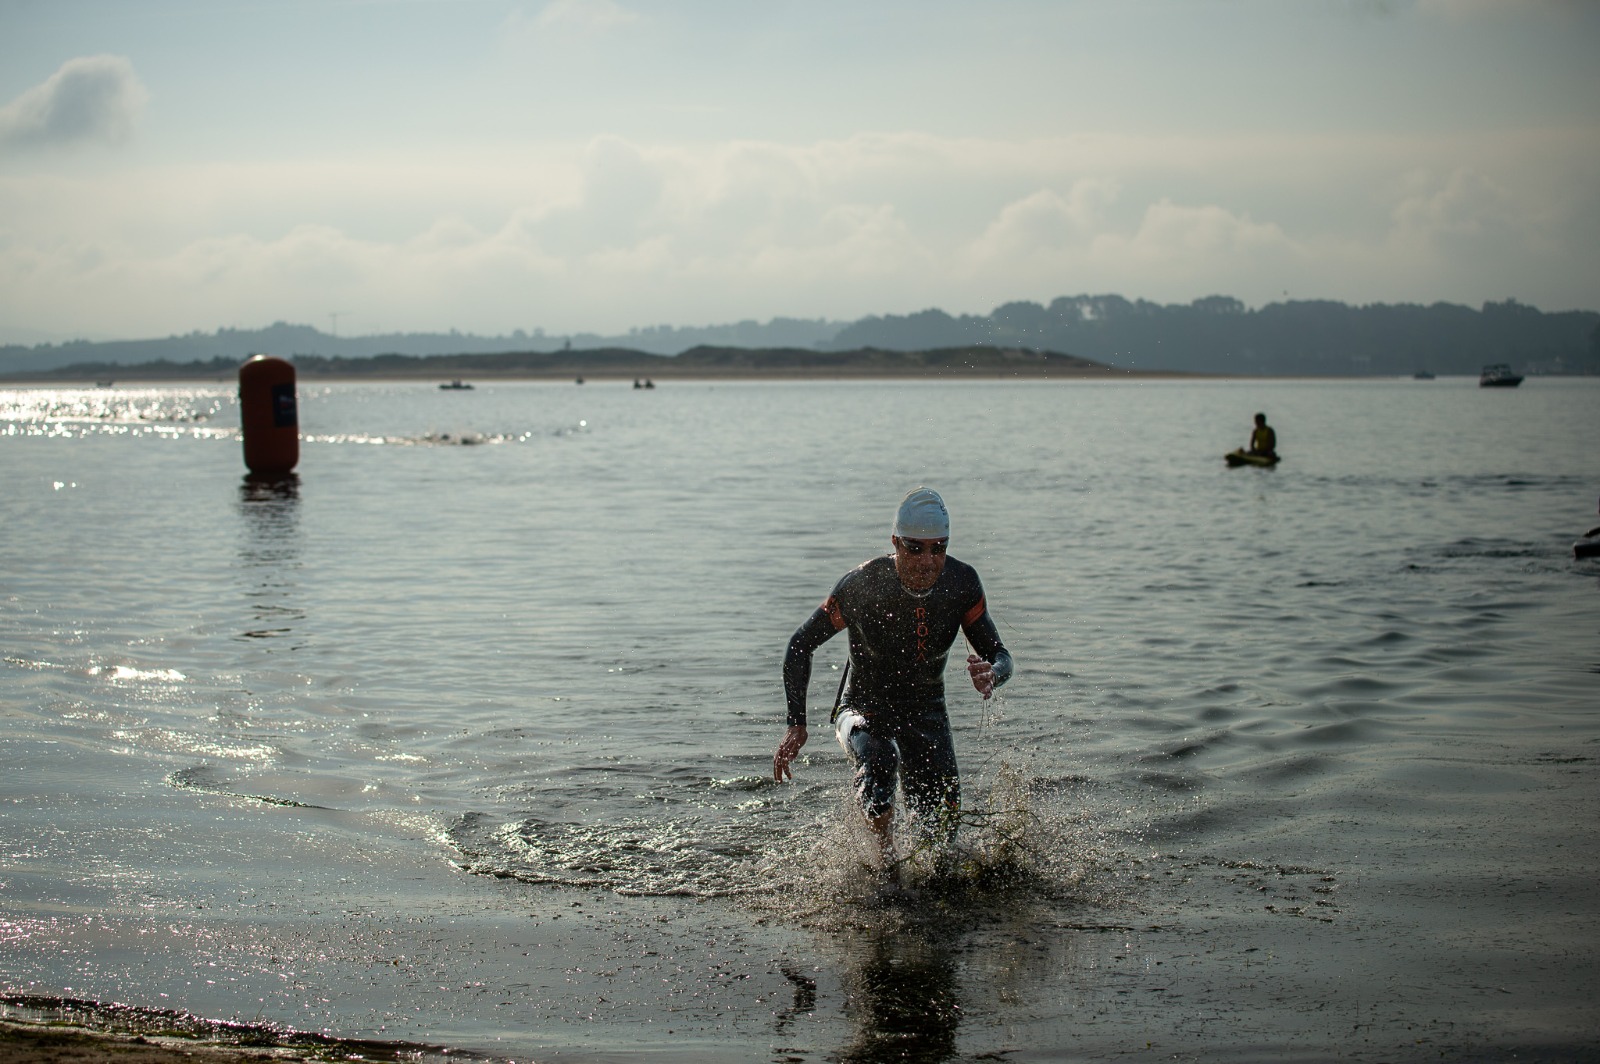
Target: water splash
1019 839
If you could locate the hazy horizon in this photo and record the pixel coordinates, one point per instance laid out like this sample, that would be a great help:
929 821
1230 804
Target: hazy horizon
371 167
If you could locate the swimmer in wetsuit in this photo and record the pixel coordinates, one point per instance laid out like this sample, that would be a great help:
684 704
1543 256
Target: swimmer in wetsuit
903 612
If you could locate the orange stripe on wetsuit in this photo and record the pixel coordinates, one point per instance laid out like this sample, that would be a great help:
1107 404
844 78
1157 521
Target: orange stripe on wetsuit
974 613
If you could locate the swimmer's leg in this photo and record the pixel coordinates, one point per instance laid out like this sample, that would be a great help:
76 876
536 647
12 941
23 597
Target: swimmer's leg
877 771
931 780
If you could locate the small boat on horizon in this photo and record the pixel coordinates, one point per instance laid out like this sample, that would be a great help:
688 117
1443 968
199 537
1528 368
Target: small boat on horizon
1422 375
1498 375
456 386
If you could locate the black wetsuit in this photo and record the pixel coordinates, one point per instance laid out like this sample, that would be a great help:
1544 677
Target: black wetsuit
899 643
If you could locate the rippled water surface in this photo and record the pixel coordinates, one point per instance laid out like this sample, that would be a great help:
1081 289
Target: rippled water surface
532 632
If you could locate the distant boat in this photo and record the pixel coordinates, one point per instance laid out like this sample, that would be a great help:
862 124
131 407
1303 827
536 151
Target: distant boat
457 386
1498 375
1422 375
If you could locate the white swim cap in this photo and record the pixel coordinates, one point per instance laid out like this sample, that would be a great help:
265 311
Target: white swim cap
922 516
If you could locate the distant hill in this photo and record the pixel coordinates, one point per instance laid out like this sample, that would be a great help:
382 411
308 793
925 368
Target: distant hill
613 363
292 341
1217 334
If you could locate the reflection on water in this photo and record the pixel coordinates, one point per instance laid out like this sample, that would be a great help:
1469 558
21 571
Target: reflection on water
902 997
270 488
269 553
68 412
936 967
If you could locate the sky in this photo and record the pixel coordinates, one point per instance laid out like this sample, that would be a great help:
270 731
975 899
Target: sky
376 166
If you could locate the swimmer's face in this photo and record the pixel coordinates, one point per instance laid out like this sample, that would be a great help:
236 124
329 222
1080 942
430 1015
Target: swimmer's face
918 561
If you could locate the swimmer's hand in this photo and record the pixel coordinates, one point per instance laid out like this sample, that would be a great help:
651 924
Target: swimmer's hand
788 750
982 674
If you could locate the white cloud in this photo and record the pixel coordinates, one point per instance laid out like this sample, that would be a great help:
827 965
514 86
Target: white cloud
94 99
1047 222
1172 231
1464 204
611 198
1051 243
1463 220
615 233
847 246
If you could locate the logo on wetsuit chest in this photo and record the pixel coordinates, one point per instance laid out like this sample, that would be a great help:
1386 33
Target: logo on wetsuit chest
921 615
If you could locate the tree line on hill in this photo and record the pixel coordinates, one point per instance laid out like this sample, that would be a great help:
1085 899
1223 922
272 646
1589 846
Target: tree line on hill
1217 334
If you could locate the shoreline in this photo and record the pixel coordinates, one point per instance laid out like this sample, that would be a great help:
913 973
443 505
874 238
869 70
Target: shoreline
40 1042
610 376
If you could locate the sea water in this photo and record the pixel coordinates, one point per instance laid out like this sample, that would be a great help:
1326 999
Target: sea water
499 655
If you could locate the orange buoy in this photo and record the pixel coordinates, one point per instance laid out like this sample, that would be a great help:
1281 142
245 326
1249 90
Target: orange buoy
267 415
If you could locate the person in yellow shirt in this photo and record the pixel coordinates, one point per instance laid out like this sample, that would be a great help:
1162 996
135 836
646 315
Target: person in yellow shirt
1263 440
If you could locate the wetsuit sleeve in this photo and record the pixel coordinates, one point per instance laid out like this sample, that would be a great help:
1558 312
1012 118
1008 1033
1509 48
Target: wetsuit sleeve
985 640
817 630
